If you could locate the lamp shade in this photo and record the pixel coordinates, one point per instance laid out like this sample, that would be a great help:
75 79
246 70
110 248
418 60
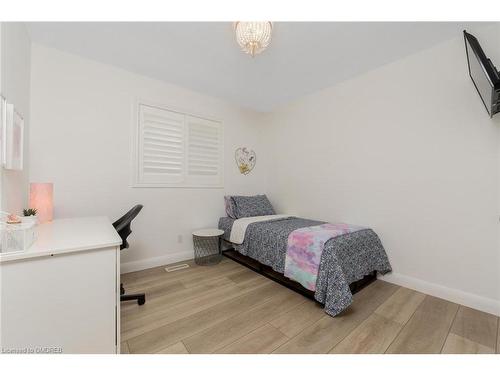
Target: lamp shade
41 198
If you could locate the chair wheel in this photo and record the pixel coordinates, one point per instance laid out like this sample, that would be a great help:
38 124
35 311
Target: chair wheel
141 300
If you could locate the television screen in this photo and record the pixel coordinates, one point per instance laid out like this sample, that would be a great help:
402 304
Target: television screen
482 73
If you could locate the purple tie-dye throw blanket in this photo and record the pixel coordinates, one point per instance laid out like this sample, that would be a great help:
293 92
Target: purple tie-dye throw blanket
304 249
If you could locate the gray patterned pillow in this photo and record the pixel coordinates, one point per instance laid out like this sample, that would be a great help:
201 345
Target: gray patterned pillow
257 205
230 206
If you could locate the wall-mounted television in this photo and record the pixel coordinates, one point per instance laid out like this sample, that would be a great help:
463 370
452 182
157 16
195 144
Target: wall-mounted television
483 73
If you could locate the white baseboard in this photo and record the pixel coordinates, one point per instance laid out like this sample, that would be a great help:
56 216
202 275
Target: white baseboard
138 265
454 295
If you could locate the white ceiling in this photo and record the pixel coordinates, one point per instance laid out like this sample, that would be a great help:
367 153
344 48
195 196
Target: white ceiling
303 56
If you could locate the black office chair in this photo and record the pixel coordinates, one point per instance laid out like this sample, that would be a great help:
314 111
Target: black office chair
122 226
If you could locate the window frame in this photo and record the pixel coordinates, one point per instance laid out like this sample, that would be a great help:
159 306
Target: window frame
135 149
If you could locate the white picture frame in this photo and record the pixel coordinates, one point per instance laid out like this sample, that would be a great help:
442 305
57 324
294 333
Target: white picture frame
14 139
3 114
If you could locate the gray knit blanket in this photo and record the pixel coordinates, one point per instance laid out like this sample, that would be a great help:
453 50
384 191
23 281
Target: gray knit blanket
345 259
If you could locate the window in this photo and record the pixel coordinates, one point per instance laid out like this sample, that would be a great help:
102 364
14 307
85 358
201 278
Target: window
174 149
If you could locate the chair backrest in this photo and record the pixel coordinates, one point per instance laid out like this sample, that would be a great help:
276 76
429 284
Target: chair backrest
122 225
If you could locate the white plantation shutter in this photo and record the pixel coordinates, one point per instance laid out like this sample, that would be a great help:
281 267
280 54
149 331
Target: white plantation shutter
161 147
204 151
178 150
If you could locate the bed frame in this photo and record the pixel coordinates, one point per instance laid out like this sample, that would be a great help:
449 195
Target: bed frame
285 281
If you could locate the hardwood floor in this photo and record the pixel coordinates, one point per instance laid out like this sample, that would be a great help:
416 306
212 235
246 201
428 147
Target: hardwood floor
228 308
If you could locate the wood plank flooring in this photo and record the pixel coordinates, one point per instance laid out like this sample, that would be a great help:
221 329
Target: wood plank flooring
228 308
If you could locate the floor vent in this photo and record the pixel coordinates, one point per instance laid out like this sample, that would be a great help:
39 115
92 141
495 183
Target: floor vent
177 267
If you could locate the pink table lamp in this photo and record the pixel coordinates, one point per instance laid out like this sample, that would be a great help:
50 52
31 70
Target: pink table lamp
41 198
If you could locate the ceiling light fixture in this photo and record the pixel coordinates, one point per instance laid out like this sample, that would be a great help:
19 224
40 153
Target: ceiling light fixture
253 37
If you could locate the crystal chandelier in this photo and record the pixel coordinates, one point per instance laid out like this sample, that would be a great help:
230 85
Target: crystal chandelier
253 37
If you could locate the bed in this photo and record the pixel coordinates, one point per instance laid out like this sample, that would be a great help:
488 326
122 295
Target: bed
347 261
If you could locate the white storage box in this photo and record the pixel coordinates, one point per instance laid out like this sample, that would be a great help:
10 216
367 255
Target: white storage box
17 237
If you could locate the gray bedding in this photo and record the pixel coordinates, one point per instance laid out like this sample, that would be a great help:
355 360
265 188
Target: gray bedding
345 259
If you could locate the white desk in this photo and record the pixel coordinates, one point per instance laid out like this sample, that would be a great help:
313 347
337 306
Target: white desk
63 294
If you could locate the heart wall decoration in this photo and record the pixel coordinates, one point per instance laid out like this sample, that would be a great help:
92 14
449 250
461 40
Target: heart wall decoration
245 159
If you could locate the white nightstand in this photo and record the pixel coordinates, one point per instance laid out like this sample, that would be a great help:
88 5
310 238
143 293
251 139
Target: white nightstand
206 244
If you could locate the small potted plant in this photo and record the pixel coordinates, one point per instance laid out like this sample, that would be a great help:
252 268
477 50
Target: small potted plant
30 214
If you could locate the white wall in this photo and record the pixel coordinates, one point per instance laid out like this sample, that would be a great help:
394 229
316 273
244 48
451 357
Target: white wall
15 86
409 150
81 135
